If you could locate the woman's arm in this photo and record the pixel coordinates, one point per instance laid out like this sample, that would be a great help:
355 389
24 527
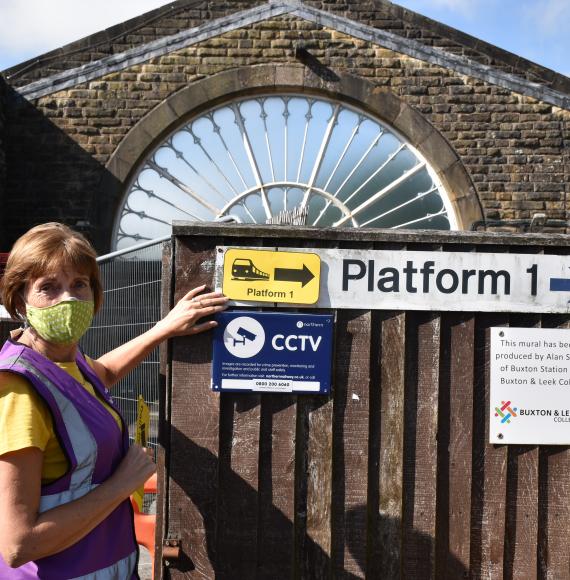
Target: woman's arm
182 319
26 535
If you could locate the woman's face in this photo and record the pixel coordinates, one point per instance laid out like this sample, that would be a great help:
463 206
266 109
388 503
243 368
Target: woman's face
57 286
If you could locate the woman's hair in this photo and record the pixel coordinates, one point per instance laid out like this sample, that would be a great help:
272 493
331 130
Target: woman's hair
42 250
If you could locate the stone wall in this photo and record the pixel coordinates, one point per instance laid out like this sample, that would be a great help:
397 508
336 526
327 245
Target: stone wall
515 148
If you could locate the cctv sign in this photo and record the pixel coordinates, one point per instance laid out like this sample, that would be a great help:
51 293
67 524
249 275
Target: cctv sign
272 352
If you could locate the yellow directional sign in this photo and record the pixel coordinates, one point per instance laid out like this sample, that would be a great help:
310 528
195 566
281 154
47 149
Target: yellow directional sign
269 276
141 438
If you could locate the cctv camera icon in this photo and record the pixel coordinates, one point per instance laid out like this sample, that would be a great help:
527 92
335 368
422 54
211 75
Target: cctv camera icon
245 335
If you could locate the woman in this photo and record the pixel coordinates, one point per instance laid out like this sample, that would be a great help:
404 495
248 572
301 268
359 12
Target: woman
66 471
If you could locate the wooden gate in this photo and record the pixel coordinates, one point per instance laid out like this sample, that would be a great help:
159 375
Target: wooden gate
389 477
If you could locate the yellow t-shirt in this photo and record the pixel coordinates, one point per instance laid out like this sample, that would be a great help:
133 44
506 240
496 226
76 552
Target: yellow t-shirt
25 420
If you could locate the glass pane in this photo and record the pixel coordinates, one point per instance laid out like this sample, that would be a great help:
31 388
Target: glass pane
254 158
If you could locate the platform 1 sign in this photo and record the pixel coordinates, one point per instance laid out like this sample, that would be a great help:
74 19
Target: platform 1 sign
270 276
530 386
272 352
398 280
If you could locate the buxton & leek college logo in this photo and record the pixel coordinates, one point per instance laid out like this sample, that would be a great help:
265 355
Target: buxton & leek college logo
506 412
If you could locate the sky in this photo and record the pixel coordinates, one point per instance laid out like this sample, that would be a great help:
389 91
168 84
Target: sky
538 30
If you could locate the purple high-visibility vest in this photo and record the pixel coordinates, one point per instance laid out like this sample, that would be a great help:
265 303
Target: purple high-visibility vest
94 446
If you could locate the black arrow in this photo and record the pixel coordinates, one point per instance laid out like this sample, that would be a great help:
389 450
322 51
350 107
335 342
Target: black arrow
291 275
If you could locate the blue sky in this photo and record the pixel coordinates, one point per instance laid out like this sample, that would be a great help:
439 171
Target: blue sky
538 30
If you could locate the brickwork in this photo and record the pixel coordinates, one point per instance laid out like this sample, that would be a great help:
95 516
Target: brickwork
514 148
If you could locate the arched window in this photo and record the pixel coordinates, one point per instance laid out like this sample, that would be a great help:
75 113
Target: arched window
295 158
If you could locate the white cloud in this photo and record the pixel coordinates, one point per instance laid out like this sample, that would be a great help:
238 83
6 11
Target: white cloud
32 27
551 17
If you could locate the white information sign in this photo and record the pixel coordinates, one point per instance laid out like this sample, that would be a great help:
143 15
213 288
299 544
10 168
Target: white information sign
530 386
445 281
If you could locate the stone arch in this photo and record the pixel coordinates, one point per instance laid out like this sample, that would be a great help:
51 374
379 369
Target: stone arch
209 92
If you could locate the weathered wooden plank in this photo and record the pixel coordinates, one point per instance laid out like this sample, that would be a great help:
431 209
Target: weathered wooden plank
277 465
454 451
554 498
386 464
554 489
238 517
456 422
193 462
164 395
522 513
489 466
392 442
314 467
521 533
554 513
351 235
420 444
276 486
350 444
386 445
291 539
314 474
238 498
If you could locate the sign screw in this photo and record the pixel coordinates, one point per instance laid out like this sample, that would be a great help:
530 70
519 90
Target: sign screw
500 436
501 333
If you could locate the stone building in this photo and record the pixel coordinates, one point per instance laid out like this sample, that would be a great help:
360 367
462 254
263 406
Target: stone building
344 113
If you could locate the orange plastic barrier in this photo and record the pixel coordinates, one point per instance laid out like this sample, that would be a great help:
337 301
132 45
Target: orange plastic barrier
145 524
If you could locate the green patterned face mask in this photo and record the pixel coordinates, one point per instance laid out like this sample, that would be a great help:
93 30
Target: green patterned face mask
63 323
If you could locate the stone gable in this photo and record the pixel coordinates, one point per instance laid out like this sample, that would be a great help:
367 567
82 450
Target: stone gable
184 14
510 144
514 148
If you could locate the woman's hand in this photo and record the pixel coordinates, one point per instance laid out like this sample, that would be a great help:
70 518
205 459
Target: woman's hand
27 535
183 318
135 468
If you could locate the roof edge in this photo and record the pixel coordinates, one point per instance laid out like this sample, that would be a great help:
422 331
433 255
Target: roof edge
555 80
558 81
401 44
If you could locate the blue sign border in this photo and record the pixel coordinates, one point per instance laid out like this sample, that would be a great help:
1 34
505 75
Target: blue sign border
272 352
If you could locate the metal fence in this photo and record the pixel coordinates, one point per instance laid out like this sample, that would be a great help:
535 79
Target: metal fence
131 282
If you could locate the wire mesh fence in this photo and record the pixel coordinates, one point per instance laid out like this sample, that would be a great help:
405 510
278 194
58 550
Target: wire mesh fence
131 282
